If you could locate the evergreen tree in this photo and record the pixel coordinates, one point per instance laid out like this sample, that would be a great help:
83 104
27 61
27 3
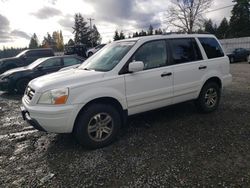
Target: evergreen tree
71 42
33 42
135 34
48 41
209 27
82 31
160 32
96 37
121 36
143 33
150 30
116 36
223 29
240 19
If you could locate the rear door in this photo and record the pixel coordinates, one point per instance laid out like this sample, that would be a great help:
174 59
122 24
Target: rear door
153 87
188 68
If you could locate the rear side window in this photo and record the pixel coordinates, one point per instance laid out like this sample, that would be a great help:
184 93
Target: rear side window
211 47
184 50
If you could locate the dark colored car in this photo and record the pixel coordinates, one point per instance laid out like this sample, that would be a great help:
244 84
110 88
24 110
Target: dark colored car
239 54
16 80
24 58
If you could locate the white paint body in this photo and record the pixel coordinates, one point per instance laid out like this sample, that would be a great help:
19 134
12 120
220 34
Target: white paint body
136 92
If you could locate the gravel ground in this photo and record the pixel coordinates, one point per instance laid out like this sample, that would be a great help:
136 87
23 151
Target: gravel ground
171 147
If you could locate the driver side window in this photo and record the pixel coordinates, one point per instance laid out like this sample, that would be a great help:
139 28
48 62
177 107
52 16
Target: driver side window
152 54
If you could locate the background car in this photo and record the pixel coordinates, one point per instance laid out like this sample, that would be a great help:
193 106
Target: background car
239 54
24 58
78 49
91 51
18 78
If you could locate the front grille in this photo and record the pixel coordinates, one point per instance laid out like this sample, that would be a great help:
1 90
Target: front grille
29 93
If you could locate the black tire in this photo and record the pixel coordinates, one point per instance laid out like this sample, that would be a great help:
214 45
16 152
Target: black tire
21 85
204 101
87 117
90 54
231 59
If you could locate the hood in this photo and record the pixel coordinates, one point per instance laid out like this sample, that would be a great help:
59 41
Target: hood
15 70
69 78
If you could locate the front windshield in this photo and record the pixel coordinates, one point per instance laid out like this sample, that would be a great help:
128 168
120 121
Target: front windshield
35 63
21 53
108 57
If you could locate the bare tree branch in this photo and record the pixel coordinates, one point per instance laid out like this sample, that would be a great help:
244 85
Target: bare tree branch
187 14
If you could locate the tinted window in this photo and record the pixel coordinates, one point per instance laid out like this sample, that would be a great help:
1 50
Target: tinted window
152 54
71 61
32 54
55 62
184 50
211 47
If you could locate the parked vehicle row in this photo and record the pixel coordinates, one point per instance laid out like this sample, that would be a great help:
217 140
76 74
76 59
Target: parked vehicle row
24 58
16 80
127 77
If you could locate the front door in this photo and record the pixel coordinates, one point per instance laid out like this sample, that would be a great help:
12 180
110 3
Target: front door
49 66
153 87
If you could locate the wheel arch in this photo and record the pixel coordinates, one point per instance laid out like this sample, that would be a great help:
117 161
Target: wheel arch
105 100
214 79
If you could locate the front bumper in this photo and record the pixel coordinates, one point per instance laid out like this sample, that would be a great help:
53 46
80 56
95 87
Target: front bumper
54 119
32 122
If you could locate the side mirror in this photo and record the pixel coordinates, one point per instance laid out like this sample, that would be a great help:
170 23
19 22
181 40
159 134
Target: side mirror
135 66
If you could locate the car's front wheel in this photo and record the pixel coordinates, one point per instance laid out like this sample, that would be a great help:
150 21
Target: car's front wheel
209 97
21 85
97 125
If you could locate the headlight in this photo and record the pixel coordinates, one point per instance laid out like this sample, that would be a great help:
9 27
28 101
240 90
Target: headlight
55 96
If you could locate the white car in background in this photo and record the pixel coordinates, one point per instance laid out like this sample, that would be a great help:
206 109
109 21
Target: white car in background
91 51
127 77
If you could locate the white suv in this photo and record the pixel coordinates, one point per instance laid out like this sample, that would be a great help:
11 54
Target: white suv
125 78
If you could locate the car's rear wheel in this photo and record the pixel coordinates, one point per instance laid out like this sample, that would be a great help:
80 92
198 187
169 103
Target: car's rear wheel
248 59
97 126
21 85
231 59
209 97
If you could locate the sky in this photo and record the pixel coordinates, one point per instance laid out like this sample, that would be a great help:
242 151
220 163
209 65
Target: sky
19 19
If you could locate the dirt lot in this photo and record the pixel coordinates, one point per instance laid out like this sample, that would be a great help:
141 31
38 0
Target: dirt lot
175 146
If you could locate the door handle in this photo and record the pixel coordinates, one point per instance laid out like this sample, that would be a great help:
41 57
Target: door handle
202 67
166 74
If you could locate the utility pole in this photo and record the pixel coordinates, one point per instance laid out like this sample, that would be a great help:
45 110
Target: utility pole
91 29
